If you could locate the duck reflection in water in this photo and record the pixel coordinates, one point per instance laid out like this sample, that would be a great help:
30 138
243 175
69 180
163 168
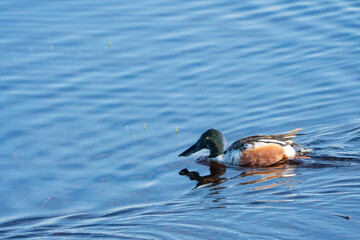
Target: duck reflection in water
217 172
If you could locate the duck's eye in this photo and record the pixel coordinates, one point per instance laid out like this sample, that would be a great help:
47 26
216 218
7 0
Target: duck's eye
207 138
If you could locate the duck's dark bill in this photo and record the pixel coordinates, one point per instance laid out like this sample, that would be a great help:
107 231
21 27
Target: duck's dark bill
189 151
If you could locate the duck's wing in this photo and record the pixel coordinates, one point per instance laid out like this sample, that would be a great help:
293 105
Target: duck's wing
259 140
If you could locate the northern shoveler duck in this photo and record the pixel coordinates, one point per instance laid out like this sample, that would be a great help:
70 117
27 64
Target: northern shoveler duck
253 151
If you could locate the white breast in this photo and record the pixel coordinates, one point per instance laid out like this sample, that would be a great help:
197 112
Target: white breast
230 157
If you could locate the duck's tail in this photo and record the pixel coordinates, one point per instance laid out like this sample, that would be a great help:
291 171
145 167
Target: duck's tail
285 137
291 134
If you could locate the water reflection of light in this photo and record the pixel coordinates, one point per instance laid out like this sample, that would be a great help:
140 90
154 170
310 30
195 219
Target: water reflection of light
266 174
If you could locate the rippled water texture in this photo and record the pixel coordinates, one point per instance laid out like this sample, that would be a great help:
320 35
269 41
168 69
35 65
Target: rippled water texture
99 98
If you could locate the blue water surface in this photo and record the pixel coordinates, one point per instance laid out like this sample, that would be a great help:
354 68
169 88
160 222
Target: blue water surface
98 98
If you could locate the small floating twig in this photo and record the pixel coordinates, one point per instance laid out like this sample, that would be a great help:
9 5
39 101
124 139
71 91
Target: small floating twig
177 130
134 135
346 217
110 43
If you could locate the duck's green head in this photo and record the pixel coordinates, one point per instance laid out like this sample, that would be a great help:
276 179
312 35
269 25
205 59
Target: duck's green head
212 139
